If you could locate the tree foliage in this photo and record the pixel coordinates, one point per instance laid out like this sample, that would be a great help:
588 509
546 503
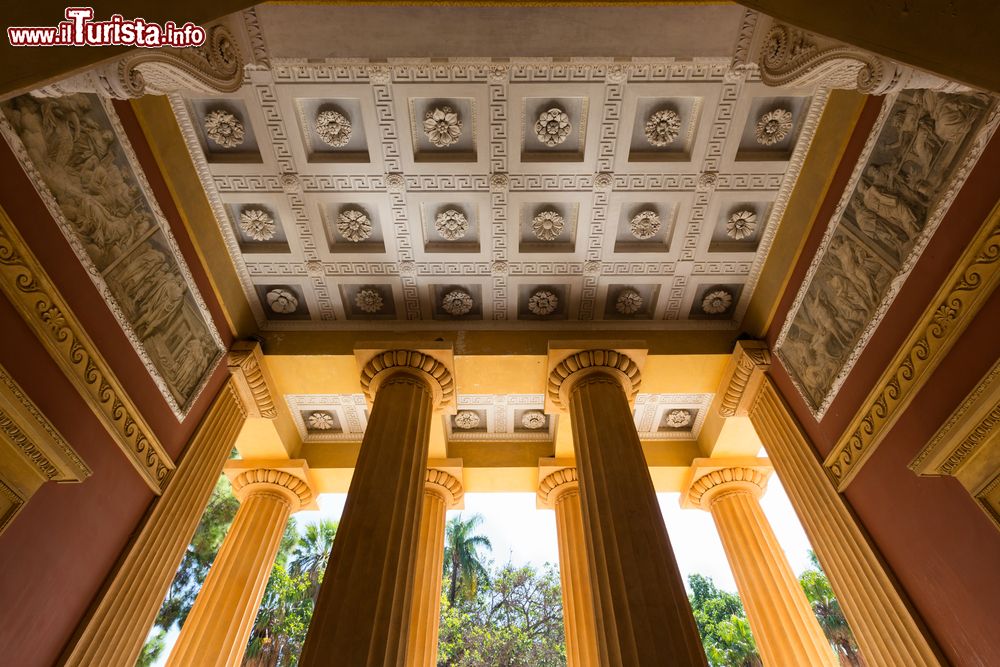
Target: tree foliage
829 614
722 624
464 569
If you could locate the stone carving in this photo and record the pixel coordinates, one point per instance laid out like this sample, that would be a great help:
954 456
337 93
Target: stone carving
435 372
354 225
499 182
257 224
553 127
604 181
467 419
442 126
451 224
663 127
717 302
547 225
679 418
290 183
592 267
379 75
224 129
618 363
282 301
543 302
900 190
368 300
533 419
644 225
707 181
499 267
741 224
91 184
321 421
629 302
251 379
333 128
457 302
314 268
773 126
395 183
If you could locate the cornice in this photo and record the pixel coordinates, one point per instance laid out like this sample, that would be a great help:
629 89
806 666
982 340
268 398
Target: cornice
44 309
749 361
953 308
253 382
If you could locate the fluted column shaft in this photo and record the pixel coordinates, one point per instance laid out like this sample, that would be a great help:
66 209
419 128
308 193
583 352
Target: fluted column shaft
782 621
114 634
362 614
219 624
643 614
441 491
562 490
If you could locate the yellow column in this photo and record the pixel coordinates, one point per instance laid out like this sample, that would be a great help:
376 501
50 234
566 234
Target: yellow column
441 492
561 490
363 611
642 610
218 627
114 634
782 621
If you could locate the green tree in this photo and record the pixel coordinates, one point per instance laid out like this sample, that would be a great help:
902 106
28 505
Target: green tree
829 614
513 620
722 624
462 565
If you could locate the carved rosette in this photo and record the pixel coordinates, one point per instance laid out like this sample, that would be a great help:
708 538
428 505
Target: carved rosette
499 182
553 127
451 224
741 224
644 225
410 362
457 303
333 128
679 418
717 302
547 225
321 421
553 486
257 224
533 419
727 480
368 300
224 128
543 303
354 225
395 183
663 127
588 362
773 127
466 420
442 126
629 302
282 301
445 485
268 480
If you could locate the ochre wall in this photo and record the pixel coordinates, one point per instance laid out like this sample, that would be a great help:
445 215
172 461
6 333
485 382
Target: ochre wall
56 554
940 546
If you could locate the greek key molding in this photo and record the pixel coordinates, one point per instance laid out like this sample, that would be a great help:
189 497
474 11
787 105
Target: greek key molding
246 365
748 358
969 284
38 301
214 67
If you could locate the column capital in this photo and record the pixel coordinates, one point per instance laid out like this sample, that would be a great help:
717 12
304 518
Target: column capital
554 485
749 362
570 363
288 478
215 67
709 479
446 485
431 363
252 380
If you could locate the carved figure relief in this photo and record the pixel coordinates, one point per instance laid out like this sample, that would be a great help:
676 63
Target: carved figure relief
83 172
876 236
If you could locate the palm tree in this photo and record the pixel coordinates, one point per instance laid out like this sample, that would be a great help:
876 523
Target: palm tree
461 556
312 552
734 646
828 613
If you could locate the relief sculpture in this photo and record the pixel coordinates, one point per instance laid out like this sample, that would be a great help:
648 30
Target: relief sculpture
70 150
898 195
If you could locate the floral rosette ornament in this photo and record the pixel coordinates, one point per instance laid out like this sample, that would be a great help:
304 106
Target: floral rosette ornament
368 300
442 126
717 302
629 302
553 127
451 224
282 301
679 418
321 421
457 303
467 419
773 126
533 419
547 225
663 127
543 303
224 128
644 225
333 128
741 224
257 224
354 225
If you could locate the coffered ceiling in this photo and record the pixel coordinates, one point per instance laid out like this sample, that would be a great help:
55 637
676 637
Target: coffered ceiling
500 192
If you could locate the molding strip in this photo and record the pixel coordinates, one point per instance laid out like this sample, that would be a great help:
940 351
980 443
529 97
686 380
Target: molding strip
41 305
963 293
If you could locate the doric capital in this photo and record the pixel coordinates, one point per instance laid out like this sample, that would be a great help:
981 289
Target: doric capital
555 485
445 485
214 67
286 478
565 372
710 479
750 360
789 56
253 382
431 366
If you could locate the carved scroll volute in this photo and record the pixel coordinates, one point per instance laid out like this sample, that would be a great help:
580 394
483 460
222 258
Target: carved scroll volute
253 382
750 360
214 67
